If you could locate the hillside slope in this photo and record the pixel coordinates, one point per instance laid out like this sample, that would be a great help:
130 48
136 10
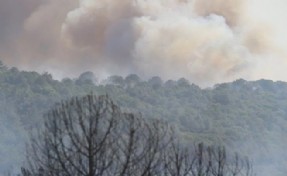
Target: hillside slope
250 117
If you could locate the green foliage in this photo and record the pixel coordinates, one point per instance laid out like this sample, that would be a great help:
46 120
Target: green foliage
246 116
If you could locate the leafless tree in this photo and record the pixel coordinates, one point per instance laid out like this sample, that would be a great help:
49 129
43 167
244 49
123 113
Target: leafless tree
90 136
140 146
77 138
177 159
204 161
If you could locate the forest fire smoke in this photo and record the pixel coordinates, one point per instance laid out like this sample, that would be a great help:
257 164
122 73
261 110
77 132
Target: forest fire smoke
205 41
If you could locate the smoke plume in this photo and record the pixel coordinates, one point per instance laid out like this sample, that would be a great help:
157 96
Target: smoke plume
205 41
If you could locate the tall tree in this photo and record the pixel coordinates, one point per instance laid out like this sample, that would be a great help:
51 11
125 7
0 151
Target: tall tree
91 136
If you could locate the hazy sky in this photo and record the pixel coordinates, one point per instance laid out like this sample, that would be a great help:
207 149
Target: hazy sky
205 41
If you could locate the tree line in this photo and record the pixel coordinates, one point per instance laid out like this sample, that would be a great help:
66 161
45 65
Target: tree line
246 116
91 136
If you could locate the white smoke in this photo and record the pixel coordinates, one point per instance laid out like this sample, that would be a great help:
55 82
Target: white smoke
205 41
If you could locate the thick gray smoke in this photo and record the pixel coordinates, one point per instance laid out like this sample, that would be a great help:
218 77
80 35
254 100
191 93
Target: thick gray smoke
205 41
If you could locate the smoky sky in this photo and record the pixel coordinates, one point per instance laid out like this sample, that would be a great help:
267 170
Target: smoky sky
205 41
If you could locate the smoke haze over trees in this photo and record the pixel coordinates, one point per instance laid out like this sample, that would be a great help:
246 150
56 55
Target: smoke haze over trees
248 117
209 68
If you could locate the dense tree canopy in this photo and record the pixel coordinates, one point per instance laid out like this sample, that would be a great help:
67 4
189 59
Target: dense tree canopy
249 116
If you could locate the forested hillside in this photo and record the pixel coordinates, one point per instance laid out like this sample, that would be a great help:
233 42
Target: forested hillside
246 116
